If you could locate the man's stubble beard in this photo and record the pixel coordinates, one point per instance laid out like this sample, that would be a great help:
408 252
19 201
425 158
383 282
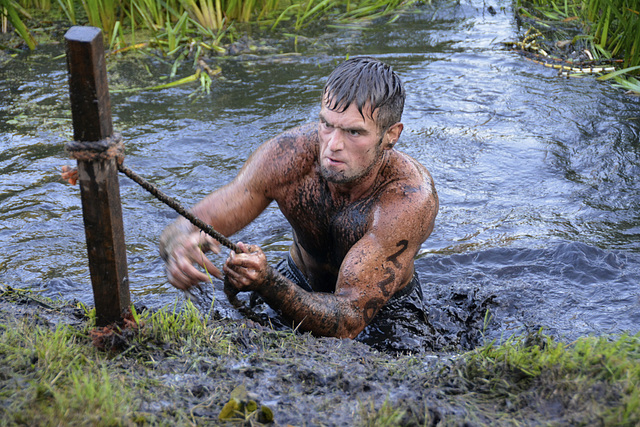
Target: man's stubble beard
341 178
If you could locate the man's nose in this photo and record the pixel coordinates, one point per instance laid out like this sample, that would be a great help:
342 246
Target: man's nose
336 141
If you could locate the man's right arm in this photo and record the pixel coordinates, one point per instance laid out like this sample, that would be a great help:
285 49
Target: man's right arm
227 210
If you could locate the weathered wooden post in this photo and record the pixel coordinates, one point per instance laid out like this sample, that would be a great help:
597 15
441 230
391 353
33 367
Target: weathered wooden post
95 147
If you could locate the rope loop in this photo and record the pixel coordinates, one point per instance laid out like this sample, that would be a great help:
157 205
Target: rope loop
91 151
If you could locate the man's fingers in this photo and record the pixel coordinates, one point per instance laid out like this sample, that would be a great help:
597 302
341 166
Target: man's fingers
183 274
243 261
208 243
212 269
247 249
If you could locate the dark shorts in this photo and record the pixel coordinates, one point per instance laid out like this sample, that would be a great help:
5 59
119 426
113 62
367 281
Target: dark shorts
399 326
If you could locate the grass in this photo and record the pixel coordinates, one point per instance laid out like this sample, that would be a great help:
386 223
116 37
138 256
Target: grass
51 376
610 29
593 378
177 367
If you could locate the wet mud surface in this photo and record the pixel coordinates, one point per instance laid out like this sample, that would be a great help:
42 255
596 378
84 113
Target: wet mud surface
453 320
301 380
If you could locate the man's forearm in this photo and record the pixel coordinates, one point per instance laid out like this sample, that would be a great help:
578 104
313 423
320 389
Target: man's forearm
321 313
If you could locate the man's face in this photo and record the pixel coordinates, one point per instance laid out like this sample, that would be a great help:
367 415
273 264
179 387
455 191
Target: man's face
350 145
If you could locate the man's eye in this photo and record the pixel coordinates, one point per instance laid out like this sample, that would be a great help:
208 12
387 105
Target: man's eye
354 132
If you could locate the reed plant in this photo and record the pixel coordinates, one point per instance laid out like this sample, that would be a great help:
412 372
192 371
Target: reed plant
103 14
69 9
208 13
150 12
615 27
10 12
611 27
164 19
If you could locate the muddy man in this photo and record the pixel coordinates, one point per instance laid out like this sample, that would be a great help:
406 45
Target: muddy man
359 209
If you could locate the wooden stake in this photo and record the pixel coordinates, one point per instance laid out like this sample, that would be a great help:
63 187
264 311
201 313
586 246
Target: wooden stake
99 187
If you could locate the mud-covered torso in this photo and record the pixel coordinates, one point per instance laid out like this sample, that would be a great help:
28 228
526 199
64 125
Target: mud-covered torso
327 224
325 227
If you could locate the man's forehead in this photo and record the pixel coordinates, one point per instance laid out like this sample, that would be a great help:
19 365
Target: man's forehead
365 114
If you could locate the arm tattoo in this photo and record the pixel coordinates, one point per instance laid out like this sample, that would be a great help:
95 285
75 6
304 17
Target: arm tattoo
394 258
391 276
390 272
371 309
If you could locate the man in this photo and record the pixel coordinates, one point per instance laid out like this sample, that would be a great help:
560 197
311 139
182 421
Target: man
359 210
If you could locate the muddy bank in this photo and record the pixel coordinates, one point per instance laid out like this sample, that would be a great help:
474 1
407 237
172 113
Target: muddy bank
180 372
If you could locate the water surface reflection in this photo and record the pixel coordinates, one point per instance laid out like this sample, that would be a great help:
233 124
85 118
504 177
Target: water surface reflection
537 174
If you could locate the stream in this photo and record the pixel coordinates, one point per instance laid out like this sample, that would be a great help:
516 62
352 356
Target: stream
538 175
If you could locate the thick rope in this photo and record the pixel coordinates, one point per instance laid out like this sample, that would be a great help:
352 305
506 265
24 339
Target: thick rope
90 151
113 147
172 203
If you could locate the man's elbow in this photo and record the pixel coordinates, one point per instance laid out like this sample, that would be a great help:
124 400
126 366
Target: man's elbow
350 328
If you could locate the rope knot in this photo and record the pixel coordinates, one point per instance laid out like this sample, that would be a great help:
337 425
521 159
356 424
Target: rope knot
90 151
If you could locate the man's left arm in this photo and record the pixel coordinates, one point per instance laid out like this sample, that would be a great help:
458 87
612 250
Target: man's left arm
373 270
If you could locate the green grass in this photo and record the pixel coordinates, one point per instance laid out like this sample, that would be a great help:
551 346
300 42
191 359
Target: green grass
177 367
53 376
593 378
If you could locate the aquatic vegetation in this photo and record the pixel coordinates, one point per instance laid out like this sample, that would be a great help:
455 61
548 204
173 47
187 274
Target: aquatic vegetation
610 29
9 11
179 22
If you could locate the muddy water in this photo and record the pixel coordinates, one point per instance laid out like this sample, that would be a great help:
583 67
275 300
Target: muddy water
537 174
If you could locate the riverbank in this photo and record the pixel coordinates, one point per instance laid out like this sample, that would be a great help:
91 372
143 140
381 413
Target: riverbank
540 183
176 368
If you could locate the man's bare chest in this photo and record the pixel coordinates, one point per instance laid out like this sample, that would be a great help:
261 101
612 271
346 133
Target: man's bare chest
326 227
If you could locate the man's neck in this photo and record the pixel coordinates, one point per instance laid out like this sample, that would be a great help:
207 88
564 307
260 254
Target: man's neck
353 191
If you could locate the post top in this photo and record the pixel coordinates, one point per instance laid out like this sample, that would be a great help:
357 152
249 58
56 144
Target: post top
82 34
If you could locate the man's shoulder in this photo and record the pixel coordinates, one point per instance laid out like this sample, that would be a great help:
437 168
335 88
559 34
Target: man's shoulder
409 201
407 172
285 159
304 137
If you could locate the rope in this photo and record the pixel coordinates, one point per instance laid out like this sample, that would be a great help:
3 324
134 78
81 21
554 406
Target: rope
112 147
172 203
90 151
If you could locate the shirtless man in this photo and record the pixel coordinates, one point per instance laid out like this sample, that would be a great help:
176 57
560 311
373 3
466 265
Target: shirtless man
359 210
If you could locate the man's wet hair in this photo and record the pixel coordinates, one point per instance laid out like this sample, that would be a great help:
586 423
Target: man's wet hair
366 81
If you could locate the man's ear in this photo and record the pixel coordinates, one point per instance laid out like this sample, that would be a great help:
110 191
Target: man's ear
392 135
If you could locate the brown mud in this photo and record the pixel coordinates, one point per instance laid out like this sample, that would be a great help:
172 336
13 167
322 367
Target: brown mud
295 378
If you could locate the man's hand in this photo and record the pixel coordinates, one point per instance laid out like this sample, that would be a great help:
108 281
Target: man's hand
247 271
183 249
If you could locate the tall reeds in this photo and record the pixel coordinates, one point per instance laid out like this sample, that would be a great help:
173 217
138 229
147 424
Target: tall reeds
615 27
612 27
10 14
176 20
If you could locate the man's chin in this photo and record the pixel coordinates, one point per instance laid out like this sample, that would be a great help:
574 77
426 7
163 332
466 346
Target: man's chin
335 177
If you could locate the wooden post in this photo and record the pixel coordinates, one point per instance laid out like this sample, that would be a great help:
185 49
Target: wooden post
99 187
